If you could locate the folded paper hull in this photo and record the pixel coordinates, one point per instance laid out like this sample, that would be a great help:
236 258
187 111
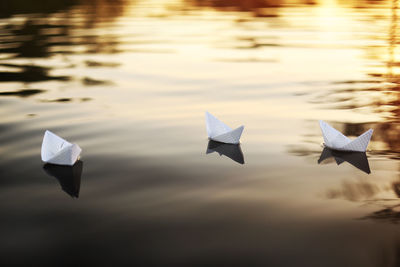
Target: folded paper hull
232 137
334 139
220 132
56 150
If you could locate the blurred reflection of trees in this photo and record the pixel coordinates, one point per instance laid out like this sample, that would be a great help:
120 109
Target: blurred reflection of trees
10 8
259 8
42 29
45 31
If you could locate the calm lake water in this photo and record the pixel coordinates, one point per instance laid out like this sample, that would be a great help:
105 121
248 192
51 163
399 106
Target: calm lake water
129 81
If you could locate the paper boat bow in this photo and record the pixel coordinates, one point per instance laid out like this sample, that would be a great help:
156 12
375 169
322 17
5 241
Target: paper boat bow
337 141
220 132
56 150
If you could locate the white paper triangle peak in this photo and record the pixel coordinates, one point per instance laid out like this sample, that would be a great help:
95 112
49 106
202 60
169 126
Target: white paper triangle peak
220 132
56 150
336 140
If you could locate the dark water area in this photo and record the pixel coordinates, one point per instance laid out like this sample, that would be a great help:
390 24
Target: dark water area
129 81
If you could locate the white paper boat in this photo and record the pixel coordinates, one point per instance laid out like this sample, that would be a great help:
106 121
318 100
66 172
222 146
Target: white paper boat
56 150
220 132
336 140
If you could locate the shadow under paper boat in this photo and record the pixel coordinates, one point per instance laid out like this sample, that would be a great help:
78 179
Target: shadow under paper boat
69 177
231 151
357 159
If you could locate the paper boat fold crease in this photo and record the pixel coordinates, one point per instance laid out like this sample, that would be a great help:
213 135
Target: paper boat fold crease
220 132
334 139
56 150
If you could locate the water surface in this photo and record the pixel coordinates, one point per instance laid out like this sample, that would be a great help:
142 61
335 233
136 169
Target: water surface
129 81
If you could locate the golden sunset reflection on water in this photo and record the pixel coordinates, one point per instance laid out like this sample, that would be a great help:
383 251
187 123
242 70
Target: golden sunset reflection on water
129 81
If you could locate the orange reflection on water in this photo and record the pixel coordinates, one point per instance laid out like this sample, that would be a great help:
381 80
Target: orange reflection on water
129 81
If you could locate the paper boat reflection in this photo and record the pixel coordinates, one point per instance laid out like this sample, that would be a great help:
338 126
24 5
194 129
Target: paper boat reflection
357 159
396 188
69 177
230 150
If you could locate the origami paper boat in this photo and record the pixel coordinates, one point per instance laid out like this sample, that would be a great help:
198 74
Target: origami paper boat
336 140
69 177
231 151
56 150
220 132
357 159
